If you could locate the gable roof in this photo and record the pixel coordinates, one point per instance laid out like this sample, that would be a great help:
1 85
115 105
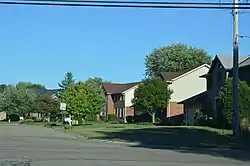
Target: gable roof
227 61
168 76
40 91
113 88
171 76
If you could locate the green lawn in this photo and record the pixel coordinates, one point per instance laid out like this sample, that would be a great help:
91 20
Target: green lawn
175 136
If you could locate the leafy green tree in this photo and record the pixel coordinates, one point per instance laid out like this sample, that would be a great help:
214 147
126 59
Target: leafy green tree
67 81
27 85
175 57
83 99
226 99
46 105
151 95
98 81
2 87
16 101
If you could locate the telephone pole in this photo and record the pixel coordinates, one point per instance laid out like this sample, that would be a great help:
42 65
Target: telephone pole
235 69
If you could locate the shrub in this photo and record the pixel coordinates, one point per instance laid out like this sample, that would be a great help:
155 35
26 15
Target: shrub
226 100
245 125
112 118
27 121
67 127
91 118
78 118
49 124
200 119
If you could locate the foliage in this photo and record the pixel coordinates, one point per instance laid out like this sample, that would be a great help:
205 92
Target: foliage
78 119
175 57
27 85
17 101
151 95
67 81
199 118
27 121
245 125
112 118
96 81
2 87
45 104
83 99
67 127
226 99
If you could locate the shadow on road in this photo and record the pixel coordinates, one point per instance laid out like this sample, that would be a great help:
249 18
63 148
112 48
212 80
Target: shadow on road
185 140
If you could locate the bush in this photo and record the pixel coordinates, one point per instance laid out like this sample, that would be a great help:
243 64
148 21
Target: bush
226 99
78 118
91 118
112 118
27 121
67 127
50 124
200 119
245 125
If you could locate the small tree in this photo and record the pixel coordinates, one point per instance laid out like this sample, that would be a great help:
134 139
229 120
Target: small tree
67 81
46 105
17 101
226 98
83 99
151 95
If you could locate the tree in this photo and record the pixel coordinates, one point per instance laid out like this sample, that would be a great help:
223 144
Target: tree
226 100
2 87
151 95
17 101
67 81
27 85
83 99
46 105
174 58
96 81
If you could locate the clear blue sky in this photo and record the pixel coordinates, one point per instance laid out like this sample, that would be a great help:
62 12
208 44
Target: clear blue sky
40 44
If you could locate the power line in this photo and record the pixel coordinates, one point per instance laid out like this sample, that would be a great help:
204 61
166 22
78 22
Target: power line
64 4
143 2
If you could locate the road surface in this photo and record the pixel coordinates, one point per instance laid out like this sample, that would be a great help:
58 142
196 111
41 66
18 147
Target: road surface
46 147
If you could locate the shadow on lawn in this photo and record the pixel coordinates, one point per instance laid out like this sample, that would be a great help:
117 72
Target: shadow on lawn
185 140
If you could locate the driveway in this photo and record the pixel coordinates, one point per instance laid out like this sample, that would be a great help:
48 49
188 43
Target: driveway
46 147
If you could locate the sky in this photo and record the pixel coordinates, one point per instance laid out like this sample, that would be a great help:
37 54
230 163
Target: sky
40 44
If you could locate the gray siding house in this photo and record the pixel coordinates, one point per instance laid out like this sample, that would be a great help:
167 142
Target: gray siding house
220 70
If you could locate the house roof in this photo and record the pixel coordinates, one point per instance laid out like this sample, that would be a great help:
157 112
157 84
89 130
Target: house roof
118 88
171 76
195 98
227 61
40 91
168 76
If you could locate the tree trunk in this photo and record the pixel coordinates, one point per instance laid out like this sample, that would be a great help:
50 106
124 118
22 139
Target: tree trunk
153 117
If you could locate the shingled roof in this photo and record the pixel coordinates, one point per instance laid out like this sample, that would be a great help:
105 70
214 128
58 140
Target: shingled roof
168 76
118 88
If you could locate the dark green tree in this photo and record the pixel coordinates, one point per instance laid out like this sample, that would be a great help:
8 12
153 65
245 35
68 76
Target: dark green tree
226 99
151 95
175 57
67 81
29 85
2 87
46 105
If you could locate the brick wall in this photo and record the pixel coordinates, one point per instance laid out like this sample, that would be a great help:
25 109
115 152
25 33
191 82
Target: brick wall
174 109
130 111
110 105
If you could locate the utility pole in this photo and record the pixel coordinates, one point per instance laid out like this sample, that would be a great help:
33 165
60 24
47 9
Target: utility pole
235 69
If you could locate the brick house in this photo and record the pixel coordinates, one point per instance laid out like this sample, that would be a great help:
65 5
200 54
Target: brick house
119 99
184 84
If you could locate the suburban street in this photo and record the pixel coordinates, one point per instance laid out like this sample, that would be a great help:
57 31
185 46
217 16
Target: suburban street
46 147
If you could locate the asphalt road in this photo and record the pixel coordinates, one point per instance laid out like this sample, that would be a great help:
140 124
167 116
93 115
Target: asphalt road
46 147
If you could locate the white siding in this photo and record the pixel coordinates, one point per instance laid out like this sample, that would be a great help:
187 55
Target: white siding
189 85
129 95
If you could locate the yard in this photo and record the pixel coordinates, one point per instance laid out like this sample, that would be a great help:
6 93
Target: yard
170 136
